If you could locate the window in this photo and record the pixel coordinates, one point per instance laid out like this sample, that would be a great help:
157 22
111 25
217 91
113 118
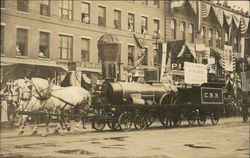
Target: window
131 22
2 39
236 43
117 19
22 5
131 54
173 28
21 42
45 8
203 33
85 13
156 26
66 9
218 39
102 16
144 25
157 3
85 49
44 45
2 3
191 32
183 29
210 37
66 47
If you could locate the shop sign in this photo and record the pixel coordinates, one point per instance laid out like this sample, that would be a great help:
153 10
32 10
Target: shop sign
211 95
195 73
177 66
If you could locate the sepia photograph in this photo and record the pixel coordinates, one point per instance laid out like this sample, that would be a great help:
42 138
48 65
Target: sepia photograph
125 79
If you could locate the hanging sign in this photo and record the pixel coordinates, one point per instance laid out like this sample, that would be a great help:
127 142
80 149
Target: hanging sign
195 73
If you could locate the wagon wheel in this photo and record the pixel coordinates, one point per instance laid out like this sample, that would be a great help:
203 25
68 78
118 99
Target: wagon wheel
141 121
176 120
215 116
150 119
164 119
191 118
201 119
98 124
113 124
125 121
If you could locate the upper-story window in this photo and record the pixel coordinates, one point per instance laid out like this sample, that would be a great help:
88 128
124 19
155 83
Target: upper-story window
2 39
2 3
236 43
102 16
183 29
85 13
173 28
131 22
66 9
144 25
117 19
203 33
145 54
226 38
156 26
44 45
191 32
85 49
131 54
23 5
218 39
22 42
45 8
210 37
66 47
157 3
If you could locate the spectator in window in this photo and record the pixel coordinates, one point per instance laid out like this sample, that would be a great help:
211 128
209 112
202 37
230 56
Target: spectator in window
41 55
130 27
86 19
18 52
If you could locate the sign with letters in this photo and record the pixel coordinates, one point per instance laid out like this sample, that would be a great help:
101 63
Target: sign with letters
211 95
195 73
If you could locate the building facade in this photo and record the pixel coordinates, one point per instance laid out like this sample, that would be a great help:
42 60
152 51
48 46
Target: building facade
68 30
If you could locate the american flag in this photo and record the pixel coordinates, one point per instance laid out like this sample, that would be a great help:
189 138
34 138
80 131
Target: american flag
205 9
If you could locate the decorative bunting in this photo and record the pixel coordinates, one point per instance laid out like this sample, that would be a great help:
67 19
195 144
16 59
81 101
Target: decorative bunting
219 14
229 17
193 5
236 19
205 10
244 25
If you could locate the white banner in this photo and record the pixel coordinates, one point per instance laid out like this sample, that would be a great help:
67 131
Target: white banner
195 73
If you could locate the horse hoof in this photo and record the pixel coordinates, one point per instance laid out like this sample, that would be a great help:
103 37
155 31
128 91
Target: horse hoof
34 133
56 131
68 128
20 132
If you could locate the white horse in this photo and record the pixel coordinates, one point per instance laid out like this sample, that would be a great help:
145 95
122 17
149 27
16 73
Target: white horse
16 94
58 100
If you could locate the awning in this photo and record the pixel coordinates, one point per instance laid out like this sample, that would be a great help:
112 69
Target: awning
38 62
177 4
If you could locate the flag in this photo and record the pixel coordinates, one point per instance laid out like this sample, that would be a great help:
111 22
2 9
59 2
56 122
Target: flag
219 14
236 19
244 25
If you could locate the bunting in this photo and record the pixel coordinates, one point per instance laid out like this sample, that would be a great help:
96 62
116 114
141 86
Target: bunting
219 14
244 25
193 5
228 16
228 59
236 19
205 10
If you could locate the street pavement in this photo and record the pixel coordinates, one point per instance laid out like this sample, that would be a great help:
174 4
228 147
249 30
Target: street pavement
228 139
